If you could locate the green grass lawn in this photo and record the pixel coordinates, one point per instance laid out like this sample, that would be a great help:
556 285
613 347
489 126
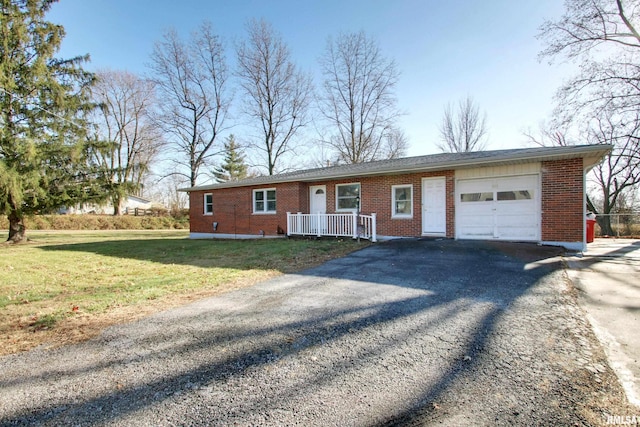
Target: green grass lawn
59 276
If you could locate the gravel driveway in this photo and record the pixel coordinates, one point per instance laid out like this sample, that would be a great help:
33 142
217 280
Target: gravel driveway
401 333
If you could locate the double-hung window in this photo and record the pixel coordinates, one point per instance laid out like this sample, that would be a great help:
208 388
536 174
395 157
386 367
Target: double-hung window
347 197
402 201
208 204
264 200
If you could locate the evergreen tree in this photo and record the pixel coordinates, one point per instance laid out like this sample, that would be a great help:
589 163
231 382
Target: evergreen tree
233 168
44 149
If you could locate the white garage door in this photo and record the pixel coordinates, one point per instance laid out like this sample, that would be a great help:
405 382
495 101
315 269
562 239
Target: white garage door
505 208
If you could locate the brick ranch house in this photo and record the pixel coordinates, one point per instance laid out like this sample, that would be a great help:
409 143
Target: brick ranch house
529 194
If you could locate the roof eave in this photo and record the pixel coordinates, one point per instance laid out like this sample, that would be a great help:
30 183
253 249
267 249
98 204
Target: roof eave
594 158
592 154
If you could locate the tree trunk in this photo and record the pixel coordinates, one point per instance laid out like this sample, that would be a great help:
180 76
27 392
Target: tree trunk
16 228
604 221
116 200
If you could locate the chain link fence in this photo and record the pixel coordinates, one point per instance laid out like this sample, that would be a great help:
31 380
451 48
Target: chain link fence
618 225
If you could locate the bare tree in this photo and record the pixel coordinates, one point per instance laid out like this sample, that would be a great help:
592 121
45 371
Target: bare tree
191 78
549 135
464 129
123 122
619 172
602 35
394 144
277 94
166 190
358 98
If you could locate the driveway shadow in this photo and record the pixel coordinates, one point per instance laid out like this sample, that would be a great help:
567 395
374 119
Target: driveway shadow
411 319
199 253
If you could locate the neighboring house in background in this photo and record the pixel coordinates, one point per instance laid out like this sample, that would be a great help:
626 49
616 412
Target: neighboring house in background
529 194
128 206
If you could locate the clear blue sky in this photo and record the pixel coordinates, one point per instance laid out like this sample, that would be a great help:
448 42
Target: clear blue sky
444 50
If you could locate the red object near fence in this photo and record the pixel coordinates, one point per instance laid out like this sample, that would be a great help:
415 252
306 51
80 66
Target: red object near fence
591 230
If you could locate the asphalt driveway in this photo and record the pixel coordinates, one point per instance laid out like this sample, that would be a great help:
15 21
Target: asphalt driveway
413 332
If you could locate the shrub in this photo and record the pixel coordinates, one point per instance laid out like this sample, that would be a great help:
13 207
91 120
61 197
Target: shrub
100 222
179 213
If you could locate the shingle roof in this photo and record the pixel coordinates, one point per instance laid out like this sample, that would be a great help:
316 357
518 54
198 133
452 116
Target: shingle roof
591 153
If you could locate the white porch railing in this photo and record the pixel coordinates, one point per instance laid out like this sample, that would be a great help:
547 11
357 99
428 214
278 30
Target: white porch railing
345 224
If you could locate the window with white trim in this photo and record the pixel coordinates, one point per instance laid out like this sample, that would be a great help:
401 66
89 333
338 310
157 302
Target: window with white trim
264 200
402 201
208 204
347 196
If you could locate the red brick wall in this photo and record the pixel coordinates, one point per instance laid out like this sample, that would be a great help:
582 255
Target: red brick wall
376 197
232 207
233 210
562 201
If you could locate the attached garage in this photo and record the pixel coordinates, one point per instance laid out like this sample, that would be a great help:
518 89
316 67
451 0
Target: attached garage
504 208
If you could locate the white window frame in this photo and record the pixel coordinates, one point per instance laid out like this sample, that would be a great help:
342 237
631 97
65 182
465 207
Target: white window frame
205 203
265 211
359 195
394 214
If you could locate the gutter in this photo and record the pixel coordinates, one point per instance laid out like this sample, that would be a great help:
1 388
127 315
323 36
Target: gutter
598 152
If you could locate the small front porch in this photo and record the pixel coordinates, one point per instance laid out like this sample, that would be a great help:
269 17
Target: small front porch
337 225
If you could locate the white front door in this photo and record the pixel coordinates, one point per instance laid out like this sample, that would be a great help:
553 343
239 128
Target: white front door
318 199
317 204
434 206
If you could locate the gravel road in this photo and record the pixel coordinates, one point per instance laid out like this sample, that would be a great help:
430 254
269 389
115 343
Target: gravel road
414 332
